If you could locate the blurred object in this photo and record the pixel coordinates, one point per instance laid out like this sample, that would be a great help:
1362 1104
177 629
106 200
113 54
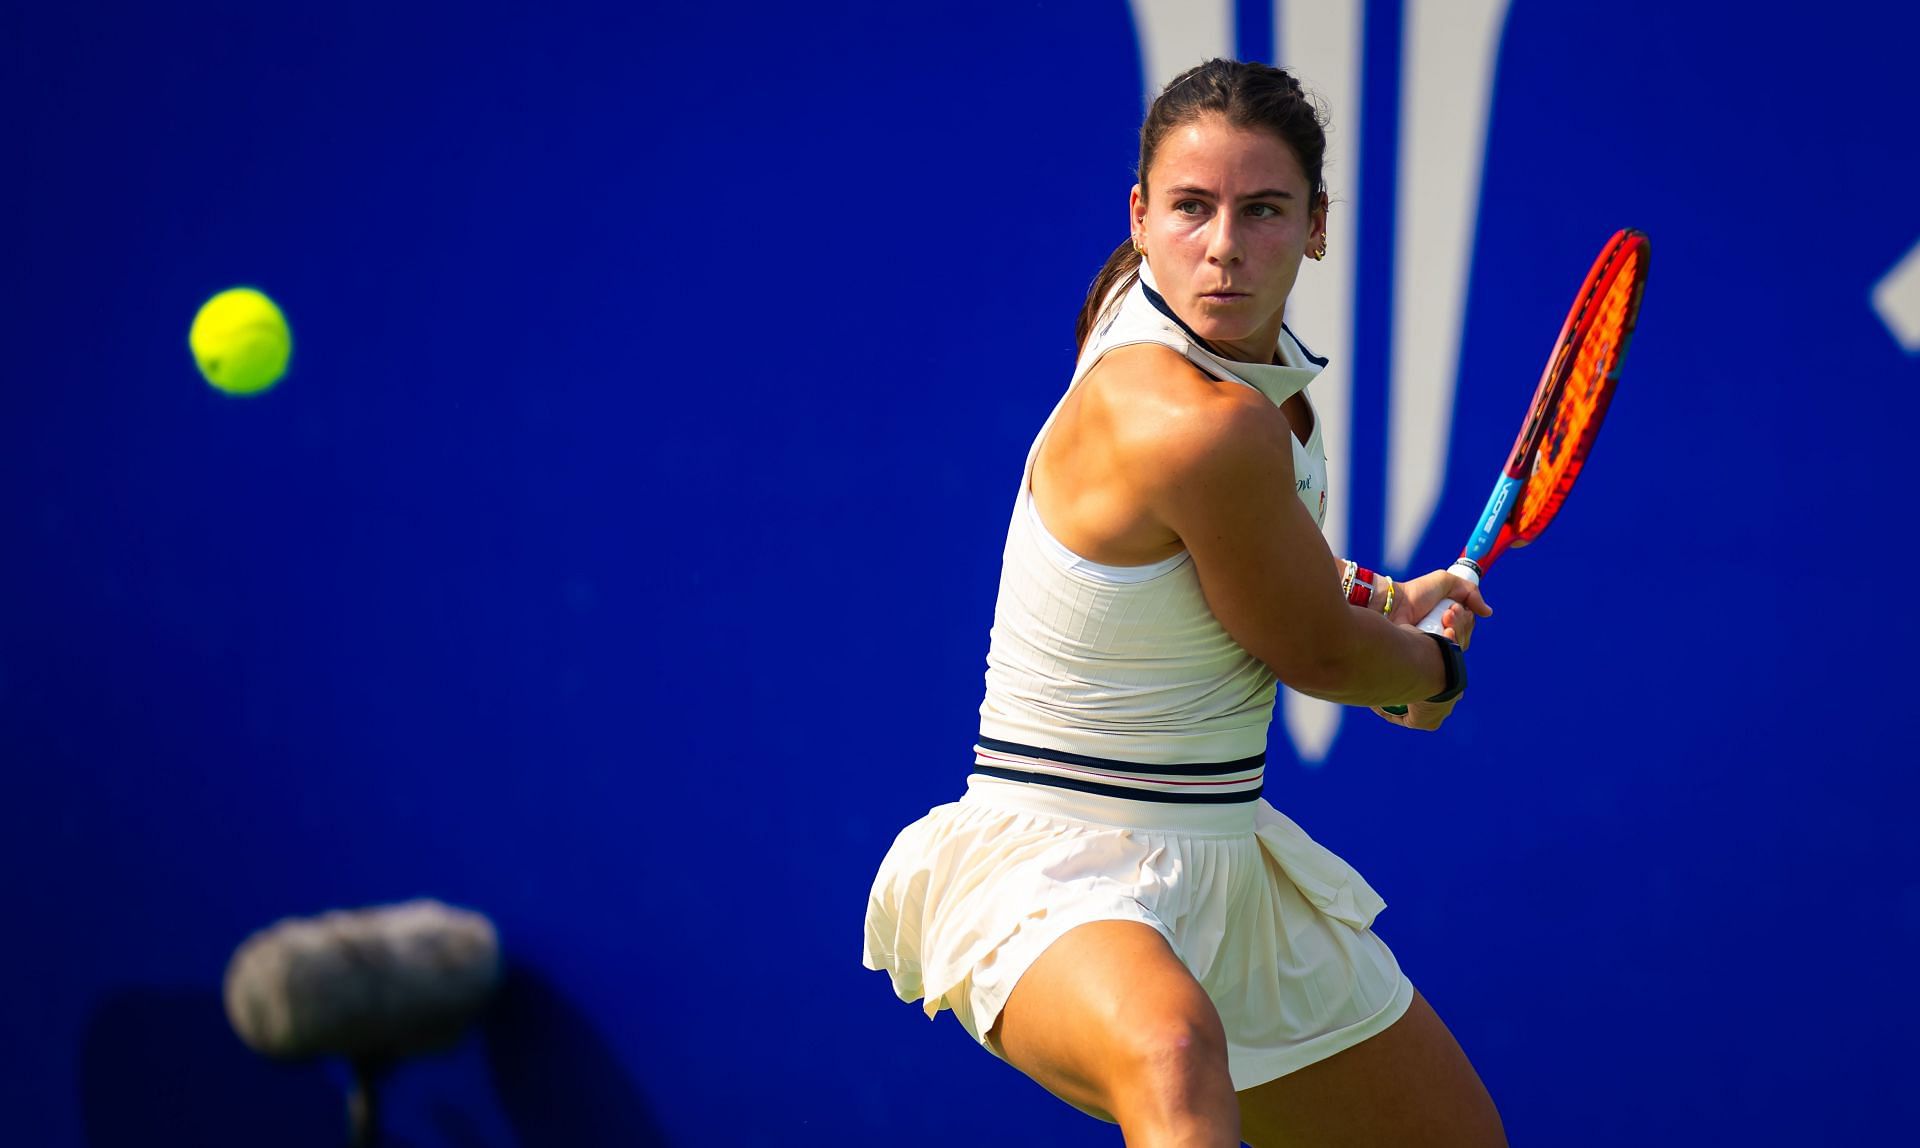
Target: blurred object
241 342
370 985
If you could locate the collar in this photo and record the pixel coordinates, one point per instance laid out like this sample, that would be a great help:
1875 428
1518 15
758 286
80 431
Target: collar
1293 368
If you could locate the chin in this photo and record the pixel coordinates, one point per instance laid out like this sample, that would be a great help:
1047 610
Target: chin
1225 332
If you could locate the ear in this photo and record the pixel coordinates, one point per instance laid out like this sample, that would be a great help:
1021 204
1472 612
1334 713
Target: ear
1137 212
1317 223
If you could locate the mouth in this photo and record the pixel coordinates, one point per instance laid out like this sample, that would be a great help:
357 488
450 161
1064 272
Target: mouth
1223 296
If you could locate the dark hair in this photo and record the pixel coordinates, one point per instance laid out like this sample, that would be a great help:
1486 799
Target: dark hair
1250 96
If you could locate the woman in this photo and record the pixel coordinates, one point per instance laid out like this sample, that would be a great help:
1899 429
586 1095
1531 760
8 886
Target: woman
1111 908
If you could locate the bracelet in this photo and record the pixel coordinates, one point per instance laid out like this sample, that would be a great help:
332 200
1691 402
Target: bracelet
1357 584
1361 587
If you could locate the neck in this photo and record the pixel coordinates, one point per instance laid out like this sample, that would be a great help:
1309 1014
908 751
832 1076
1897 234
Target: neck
1262 348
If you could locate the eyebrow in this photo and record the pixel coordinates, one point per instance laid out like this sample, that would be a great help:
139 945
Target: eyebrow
1264 193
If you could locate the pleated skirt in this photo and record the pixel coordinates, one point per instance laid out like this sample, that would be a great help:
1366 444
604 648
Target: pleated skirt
1275 927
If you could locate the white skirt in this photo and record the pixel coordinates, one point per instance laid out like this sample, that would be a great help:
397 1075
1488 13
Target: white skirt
1274 926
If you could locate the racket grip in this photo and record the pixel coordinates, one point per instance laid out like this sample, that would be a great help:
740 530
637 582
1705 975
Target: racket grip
1462 569
1465 571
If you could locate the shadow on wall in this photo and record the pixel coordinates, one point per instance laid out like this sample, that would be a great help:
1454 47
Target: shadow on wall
160 1066
556 1076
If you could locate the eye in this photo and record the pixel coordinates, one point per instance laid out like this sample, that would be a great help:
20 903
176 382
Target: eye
1190 207
1263 210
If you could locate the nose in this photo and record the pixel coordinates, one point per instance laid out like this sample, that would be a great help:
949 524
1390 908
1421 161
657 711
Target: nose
1223 245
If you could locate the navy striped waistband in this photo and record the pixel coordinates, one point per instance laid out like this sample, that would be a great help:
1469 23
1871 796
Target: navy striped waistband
1196 783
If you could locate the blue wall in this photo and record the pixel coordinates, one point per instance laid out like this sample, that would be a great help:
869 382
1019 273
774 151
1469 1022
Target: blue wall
619 554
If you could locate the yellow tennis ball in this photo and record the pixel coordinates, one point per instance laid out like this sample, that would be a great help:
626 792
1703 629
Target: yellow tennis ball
241 342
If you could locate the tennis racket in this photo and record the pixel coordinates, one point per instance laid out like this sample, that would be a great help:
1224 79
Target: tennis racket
1565 416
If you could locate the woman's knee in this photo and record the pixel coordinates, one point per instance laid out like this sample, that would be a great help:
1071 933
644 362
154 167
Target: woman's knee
1174 1058
1109 1019
1157 1073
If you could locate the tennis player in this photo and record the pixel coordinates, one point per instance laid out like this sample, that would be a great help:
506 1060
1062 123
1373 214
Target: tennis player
1112 907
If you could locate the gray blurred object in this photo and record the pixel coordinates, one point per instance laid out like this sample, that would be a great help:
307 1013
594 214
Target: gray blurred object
370 985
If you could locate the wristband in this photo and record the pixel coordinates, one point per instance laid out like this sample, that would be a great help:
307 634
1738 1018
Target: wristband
1456 663
1358 587
1356 583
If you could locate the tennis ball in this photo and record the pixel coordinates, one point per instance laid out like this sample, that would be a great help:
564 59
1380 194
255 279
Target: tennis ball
241 342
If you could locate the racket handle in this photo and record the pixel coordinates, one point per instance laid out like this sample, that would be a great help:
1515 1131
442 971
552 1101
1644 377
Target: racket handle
1462 569
1466 572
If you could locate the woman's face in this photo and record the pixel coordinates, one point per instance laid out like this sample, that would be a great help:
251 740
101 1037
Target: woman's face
1225 225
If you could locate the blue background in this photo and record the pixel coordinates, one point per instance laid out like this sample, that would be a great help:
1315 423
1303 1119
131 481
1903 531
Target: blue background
618 556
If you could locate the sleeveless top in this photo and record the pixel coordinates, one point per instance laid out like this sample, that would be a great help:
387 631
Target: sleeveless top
1118 679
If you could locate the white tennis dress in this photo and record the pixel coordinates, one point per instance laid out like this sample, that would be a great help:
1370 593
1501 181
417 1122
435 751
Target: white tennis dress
1118 777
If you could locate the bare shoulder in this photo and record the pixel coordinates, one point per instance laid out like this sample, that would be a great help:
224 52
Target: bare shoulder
1174 424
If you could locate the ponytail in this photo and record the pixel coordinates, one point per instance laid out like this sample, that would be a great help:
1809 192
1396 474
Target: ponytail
1122 268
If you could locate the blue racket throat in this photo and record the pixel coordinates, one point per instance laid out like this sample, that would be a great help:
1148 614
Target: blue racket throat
1499 509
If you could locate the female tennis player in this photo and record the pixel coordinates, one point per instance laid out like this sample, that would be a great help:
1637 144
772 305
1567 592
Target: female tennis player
1111 907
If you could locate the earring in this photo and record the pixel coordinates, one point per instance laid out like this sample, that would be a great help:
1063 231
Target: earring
1139 248
1322 253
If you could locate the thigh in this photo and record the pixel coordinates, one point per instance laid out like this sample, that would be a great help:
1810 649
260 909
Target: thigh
1077 1015
1408 1085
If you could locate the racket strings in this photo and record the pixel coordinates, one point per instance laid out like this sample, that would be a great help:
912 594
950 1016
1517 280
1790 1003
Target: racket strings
1600 335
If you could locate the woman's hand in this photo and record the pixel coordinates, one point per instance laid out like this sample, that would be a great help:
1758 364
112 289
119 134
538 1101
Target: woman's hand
1414 598
1421 715
1412 601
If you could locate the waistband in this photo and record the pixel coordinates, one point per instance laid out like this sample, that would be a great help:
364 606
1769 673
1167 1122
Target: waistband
1196 783
1119 812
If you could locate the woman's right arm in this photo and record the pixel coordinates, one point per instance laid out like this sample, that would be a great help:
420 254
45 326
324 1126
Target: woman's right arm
1221 477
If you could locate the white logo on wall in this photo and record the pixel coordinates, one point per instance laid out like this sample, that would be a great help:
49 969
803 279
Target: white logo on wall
1448 54
1896 299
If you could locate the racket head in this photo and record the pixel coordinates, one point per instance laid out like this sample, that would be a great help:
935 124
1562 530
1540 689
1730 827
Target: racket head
1575 389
